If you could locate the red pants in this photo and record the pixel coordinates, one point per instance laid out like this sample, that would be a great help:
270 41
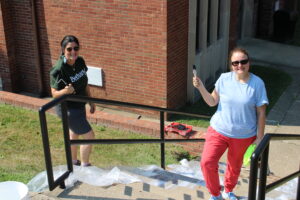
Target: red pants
214 147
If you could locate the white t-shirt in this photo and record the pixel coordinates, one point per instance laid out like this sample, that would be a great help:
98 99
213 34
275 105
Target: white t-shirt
236 114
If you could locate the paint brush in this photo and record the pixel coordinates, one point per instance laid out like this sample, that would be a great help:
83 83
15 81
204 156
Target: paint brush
194 71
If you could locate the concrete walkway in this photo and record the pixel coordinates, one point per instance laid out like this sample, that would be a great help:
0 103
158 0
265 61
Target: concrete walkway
272 52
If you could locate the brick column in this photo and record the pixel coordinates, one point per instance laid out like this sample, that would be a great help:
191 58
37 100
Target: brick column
8 70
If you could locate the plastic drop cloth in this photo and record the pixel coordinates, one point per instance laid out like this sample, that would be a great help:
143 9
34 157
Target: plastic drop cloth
185 174
284 192
90 175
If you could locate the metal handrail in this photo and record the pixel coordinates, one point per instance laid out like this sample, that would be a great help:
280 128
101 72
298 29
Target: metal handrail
62 100
78 98
262 153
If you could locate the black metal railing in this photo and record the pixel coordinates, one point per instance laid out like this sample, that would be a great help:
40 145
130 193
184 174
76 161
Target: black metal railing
62 100
262 153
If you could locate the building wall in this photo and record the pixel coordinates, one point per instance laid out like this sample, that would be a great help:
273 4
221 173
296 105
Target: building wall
234 28
209 22
133 42
126 39
141 46
270 19
248 27
177 52
265 18
21 41
8 72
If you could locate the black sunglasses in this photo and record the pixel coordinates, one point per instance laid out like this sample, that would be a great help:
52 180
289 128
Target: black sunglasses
243 62
69 49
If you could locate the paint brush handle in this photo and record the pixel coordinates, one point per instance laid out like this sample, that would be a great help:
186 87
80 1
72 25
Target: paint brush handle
194 71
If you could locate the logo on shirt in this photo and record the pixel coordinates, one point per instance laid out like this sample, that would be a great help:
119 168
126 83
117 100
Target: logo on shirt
77 76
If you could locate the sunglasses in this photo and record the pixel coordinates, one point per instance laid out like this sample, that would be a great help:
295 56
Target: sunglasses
243 62
69 49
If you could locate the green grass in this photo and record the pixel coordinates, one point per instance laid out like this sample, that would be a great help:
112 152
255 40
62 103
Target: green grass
22 157
276 81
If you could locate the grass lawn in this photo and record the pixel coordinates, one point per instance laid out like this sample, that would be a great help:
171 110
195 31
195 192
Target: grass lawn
22 157
276 81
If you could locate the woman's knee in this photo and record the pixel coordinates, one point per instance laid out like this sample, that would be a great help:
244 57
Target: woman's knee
89 135
209 164
73 135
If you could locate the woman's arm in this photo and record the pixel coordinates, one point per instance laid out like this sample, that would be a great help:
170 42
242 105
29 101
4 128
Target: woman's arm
212 99
92 105
69 89
261 122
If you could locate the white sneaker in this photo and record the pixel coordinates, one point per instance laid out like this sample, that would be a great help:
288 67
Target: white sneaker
229 196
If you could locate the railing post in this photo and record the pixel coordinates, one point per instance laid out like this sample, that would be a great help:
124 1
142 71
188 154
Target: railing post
46 146
66 135
263 173
162 137
253 179
298 190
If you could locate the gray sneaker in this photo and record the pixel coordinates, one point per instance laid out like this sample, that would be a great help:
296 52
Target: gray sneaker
229 196
216 198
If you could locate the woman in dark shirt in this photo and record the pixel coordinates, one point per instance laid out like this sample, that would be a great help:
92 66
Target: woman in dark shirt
68 76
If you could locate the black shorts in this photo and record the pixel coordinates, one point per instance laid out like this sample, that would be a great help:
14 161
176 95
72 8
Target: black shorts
77 120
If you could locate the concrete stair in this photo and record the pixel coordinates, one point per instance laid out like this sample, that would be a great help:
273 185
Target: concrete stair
140 190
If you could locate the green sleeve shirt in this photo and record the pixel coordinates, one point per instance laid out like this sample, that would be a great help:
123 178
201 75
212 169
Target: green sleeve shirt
63 74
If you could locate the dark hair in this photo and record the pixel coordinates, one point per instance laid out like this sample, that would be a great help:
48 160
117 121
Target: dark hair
66 40
234 50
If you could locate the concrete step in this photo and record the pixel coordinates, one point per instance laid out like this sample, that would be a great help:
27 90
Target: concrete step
140 190
121 191
40 196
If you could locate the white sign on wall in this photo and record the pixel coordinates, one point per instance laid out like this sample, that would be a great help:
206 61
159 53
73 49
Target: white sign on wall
94 76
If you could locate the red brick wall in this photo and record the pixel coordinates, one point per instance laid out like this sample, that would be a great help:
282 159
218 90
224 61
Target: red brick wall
8 71
126 39
177 52
140 45
4 65
22 52
265 18
233 26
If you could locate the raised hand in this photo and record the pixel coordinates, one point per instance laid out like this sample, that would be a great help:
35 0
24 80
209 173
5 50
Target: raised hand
196 82
69 89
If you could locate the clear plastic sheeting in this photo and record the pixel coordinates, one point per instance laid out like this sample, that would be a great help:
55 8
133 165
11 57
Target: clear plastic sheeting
185 174
90 175
284 192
